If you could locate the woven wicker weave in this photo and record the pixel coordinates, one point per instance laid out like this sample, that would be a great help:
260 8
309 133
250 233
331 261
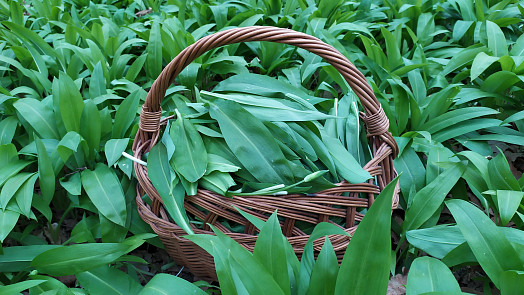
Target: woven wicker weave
312 208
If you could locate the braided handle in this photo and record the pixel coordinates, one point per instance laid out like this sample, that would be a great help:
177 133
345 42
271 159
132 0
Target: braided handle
377 123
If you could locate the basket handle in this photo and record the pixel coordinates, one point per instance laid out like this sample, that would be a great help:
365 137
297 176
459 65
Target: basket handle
377 123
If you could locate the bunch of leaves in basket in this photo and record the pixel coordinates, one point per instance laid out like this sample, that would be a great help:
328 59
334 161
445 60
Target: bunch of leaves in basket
249 138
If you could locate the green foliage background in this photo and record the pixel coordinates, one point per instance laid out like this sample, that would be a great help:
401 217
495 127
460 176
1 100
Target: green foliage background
73 73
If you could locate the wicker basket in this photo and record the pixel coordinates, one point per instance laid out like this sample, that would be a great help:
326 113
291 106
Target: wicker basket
311 208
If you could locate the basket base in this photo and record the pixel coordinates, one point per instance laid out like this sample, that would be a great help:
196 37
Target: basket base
197 260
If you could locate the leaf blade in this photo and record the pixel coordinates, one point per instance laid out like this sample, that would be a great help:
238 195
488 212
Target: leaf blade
489 245
104 190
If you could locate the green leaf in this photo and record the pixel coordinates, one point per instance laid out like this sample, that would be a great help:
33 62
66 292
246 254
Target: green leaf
50 285
465 127
108 280
46 174
39 116
8 221
237 273
512 282
481 62
10 170
308 260
451 118
496 39
270 109
219 163
436 155
8 154
136 67
7 129
18 258
165 284
462 58
190 156
104 190
430 275
518 47
154 51
74 259
325 271
114 148
489 245
248 273
500 176
459 255
410 169
437 241
69 146
368 254
70 102
97 85
264 86
392 49
11 186
500 81
345 163
293 264
216 181
35 39
111 232
17 13
507 204
73 185
252 143
428 200
24 195
447 242
19 287
126 114
318 146
91 127
162 178
270 251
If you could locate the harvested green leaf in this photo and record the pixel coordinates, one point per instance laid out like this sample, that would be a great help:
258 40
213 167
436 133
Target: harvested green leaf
170 189
252 143
190 156
346 165
268 109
